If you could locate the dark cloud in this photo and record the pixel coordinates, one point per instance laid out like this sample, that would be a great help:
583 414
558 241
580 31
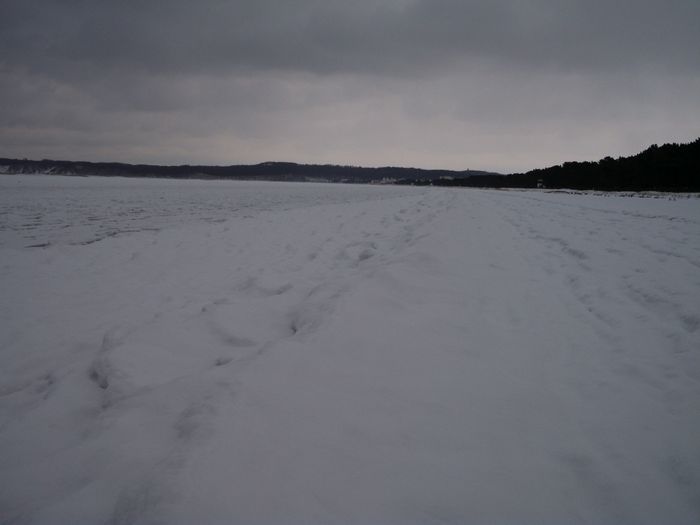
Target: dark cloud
326 36
428 82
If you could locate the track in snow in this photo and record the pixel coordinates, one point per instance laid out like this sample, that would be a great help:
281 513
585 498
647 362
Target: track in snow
430 356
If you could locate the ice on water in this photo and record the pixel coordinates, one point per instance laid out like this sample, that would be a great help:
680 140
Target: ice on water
36 210
276 353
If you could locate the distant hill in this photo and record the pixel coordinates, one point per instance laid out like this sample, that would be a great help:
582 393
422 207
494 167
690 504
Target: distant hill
671 167
277 171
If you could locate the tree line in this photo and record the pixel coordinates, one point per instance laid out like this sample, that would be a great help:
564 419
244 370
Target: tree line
671 167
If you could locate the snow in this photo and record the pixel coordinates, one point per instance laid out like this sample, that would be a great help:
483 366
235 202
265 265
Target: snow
276 353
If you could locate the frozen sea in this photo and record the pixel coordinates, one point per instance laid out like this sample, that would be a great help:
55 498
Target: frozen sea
40 209
214 352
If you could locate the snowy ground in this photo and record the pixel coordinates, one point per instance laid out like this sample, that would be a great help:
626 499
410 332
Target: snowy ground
347 355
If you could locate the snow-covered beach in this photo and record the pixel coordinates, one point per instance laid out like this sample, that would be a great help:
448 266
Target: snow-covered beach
285 353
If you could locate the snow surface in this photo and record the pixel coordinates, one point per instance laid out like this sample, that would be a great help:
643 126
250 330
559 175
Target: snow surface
346 354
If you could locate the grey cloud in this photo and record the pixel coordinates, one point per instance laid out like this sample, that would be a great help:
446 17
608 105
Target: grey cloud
437 83
370 37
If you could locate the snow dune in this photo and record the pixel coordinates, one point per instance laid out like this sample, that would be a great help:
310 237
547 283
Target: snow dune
386 356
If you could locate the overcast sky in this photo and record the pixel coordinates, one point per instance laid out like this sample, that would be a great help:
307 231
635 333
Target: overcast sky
502 85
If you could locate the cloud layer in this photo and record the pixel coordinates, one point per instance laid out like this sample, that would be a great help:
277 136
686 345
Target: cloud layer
504 85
